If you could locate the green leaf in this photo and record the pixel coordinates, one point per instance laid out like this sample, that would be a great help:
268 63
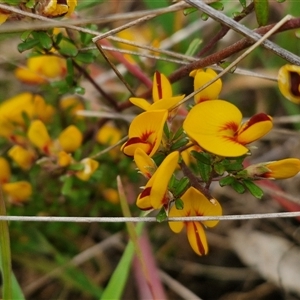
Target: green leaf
204 171
181 186
162 215
180 143
30 4
262 11
25 35
189 10
28 44
45 40
204 17
243 3
228 180
193 47
67 186
85 57
202 157
67 48
178 133
5 255
217 5
219 168
238 187
167 131
255 190
79 90
179 204
116 284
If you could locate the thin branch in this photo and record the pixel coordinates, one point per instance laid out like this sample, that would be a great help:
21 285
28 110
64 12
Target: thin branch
148 219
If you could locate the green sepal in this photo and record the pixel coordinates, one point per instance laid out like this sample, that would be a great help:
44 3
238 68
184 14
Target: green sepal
162 215
179 204
262 11
255 190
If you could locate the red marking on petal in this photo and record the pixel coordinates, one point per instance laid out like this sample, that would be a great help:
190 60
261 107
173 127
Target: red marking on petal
199 242
294 83
158 82
261 117
230 126
145 192
145 136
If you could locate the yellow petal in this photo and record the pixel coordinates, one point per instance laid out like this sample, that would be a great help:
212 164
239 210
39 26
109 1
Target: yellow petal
18 191
145 132
140 102
174 212
166 103
201 206
90 166
161 87
162 177
43 111
213 125
13 109
258 126
284 168
64 159
145 164
197 237
29 77
38 136
5 172
3 16
289 82
108 135
23 157
70 139
201 77
72 104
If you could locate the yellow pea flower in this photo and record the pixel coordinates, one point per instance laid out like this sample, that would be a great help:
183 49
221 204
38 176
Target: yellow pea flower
17 192
22 156
195 204
90 166
70 139
5 172
216 127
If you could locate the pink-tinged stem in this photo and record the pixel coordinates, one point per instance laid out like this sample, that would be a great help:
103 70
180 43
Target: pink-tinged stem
134 69
146 291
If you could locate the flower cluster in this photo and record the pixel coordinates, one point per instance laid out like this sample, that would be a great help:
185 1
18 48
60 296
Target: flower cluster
211 144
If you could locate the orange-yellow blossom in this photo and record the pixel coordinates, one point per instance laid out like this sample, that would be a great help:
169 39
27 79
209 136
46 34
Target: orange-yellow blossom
289 82
42 68
156 194
70 139
161 93
281 169
5 172
56 8
108 135
145 163
195 204
201 77
23 157
145 132
90 166
216 127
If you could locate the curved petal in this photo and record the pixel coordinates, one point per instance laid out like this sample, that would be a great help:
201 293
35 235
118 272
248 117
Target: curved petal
18 191
5 173
162 177
166 103
284 168
197 237
21 156
90 166
145 132
143 201
201 77
140 102
176 226
145 164
38 135
289 82
201 206
258 126
213 125
70 139
161 87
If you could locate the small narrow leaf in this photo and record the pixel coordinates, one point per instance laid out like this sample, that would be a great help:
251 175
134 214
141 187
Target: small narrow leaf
28 44
238 187
189 10
255 190
243 3
228 180
204 171
179 204
67 48
181 186
219 169
45 40
162 215
180 143
262 11
193 47
202 157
